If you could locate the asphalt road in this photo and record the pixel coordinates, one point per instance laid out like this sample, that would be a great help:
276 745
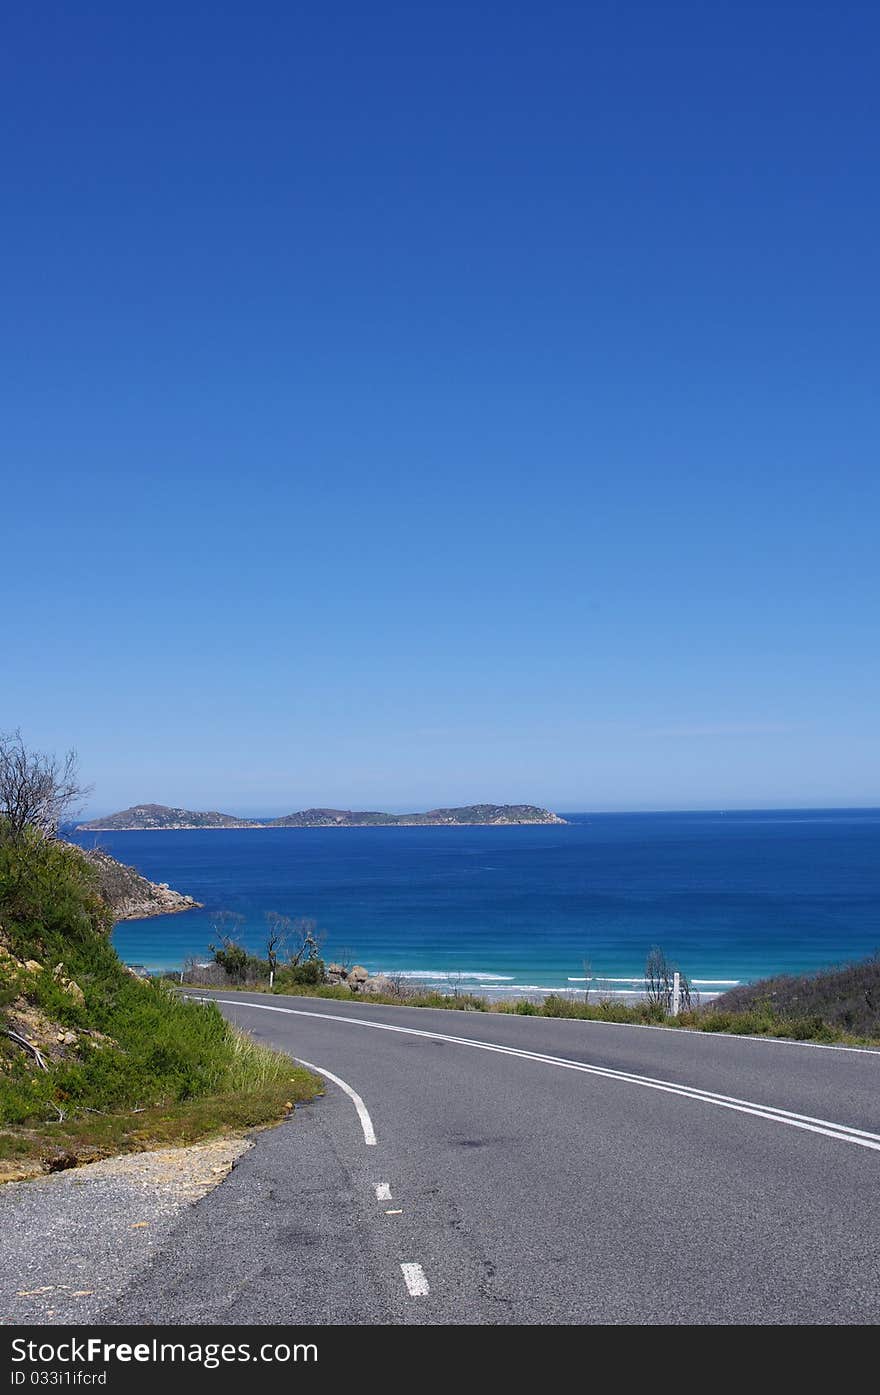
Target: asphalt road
530 1170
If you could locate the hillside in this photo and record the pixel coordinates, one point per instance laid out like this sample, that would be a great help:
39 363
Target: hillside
131 896
468 814
93 1060
146 817
162 816
847 997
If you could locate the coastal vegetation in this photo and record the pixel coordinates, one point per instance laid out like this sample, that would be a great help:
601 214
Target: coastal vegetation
94 1059
835 1005
131 896
147 817
161 816
845 998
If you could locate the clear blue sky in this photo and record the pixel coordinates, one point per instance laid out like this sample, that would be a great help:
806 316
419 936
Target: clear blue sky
407 404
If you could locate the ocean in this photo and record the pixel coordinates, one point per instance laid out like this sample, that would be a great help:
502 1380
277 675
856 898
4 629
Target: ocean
730 897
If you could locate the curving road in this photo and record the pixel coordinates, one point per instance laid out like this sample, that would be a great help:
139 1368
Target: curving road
466 1167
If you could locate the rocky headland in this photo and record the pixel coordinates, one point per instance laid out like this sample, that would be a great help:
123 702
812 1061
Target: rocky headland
131 896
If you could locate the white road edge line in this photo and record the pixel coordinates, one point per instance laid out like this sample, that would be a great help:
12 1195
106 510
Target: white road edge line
362 1111
844 1133
363 1114
383 1191
414 1278
653 1027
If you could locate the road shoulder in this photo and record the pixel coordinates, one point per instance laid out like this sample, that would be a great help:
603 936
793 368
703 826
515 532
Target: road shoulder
74 1240
286 1239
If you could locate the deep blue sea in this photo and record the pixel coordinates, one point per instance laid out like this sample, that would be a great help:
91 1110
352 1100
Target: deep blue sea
730 897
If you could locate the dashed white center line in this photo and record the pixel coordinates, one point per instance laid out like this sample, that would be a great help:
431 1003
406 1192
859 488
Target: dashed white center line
414 1278
383 1191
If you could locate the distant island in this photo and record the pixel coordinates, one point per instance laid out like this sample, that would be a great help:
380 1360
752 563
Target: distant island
147 817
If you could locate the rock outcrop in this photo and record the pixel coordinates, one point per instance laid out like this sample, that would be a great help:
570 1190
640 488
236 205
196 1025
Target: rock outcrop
359 980
28 1025
131 896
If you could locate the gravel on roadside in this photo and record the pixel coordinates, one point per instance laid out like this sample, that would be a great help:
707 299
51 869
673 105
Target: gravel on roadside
75 1239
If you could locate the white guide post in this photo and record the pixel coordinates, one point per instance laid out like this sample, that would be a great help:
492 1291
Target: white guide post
271 977
676 993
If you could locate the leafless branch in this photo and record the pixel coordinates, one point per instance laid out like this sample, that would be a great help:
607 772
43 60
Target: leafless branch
660 982
279 929
37 791
28 1046
658 979
305 941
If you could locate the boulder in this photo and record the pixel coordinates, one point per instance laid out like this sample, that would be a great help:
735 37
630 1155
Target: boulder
379 983
357 977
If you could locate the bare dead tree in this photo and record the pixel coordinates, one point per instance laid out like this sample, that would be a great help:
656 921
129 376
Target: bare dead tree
304 941
37 790
588 979
660 982
227 925
658 979
278 931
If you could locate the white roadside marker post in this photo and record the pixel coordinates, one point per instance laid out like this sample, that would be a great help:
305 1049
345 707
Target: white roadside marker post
676 993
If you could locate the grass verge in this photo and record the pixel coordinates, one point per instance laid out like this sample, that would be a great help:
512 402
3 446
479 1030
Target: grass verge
29 1150
761 1020
95 1061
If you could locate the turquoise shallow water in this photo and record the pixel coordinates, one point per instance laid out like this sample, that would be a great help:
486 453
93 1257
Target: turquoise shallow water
730 897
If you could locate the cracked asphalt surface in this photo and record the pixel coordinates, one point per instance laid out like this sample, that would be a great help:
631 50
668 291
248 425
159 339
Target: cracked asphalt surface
531 1193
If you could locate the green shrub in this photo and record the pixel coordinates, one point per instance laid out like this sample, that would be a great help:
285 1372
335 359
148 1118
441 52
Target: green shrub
155 1047
232 958
554 1005
308 974
49 899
